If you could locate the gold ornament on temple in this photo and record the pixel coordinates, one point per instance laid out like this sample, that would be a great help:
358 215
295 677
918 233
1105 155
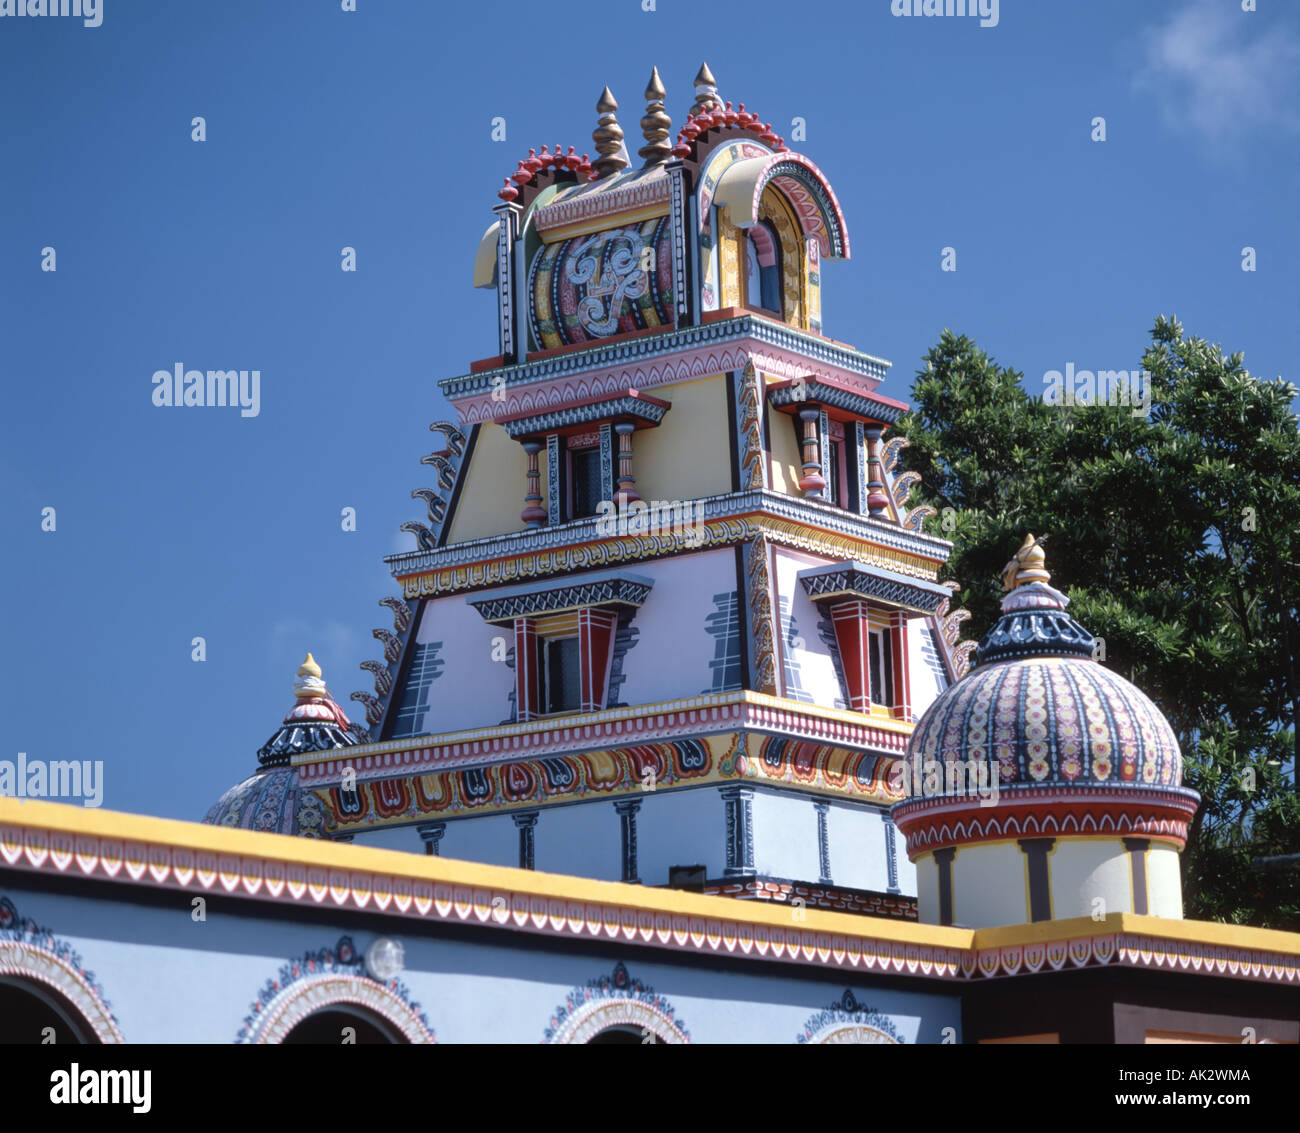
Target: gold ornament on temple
1026 565
656 124
608 137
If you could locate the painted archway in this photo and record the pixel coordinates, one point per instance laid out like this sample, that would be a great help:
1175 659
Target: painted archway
331 977
615 1001
320 993
848 1020
30 954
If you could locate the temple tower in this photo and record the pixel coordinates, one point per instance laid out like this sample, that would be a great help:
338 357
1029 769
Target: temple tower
669 618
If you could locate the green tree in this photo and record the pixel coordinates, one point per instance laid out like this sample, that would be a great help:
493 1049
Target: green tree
1176 534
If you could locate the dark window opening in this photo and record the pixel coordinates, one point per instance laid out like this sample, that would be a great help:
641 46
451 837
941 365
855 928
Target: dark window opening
586 487
834 482
882 668
560 669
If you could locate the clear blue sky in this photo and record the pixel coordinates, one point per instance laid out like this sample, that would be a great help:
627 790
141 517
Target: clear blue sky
372 129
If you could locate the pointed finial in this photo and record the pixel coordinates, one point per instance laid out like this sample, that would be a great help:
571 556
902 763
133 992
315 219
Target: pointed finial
1026 565
309 682
608 136
656 124
706 90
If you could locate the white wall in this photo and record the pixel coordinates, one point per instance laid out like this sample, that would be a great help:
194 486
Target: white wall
680 828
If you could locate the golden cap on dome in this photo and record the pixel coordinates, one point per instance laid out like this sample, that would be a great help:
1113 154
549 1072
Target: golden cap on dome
1026 565
309 682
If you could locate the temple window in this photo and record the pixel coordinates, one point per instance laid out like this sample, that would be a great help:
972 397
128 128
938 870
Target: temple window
837 478
586 486
559 669
564 634
882 668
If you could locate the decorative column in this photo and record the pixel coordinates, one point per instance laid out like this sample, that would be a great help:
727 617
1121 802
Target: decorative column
823 842
851 625
431 834
509 214
740 830
891 852
596 629
943 862
533 515
625 492
1040 889
678 221
527 824
527 682
1137 854
811 483
902 691
627 819
877 501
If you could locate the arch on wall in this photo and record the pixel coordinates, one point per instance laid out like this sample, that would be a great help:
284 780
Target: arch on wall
338 990
804 188
37 961
331 977
590 1020
849 1020
61 986
615 1002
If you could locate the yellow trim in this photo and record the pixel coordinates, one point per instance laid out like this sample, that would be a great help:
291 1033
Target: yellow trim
1192 932
603 223
62 818
73 820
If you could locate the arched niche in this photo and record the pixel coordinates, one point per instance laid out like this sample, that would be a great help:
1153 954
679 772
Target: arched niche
340 995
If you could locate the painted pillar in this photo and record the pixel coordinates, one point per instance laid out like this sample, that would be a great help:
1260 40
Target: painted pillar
527 679
527 824
877 501
849 620
431 835
627 819
891 852
678 220
740 830
596 629
507 235
823 842
625 492
811 483
902 705
533 515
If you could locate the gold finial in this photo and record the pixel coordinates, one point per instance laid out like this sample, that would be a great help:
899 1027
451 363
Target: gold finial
706 90
309 682
1026 565
608 136
656 124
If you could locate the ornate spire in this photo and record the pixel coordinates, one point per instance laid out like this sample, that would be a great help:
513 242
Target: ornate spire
656 124
608 136
309 682
314 723
1026 565
706 90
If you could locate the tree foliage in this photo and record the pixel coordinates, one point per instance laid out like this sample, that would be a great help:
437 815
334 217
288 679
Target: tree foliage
1176 535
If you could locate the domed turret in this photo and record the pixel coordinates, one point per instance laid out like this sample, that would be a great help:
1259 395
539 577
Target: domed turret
268 799
1043 785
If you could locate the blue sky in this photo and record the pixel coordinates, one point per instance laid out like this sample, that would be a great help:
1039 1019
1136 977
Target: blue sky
372 129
